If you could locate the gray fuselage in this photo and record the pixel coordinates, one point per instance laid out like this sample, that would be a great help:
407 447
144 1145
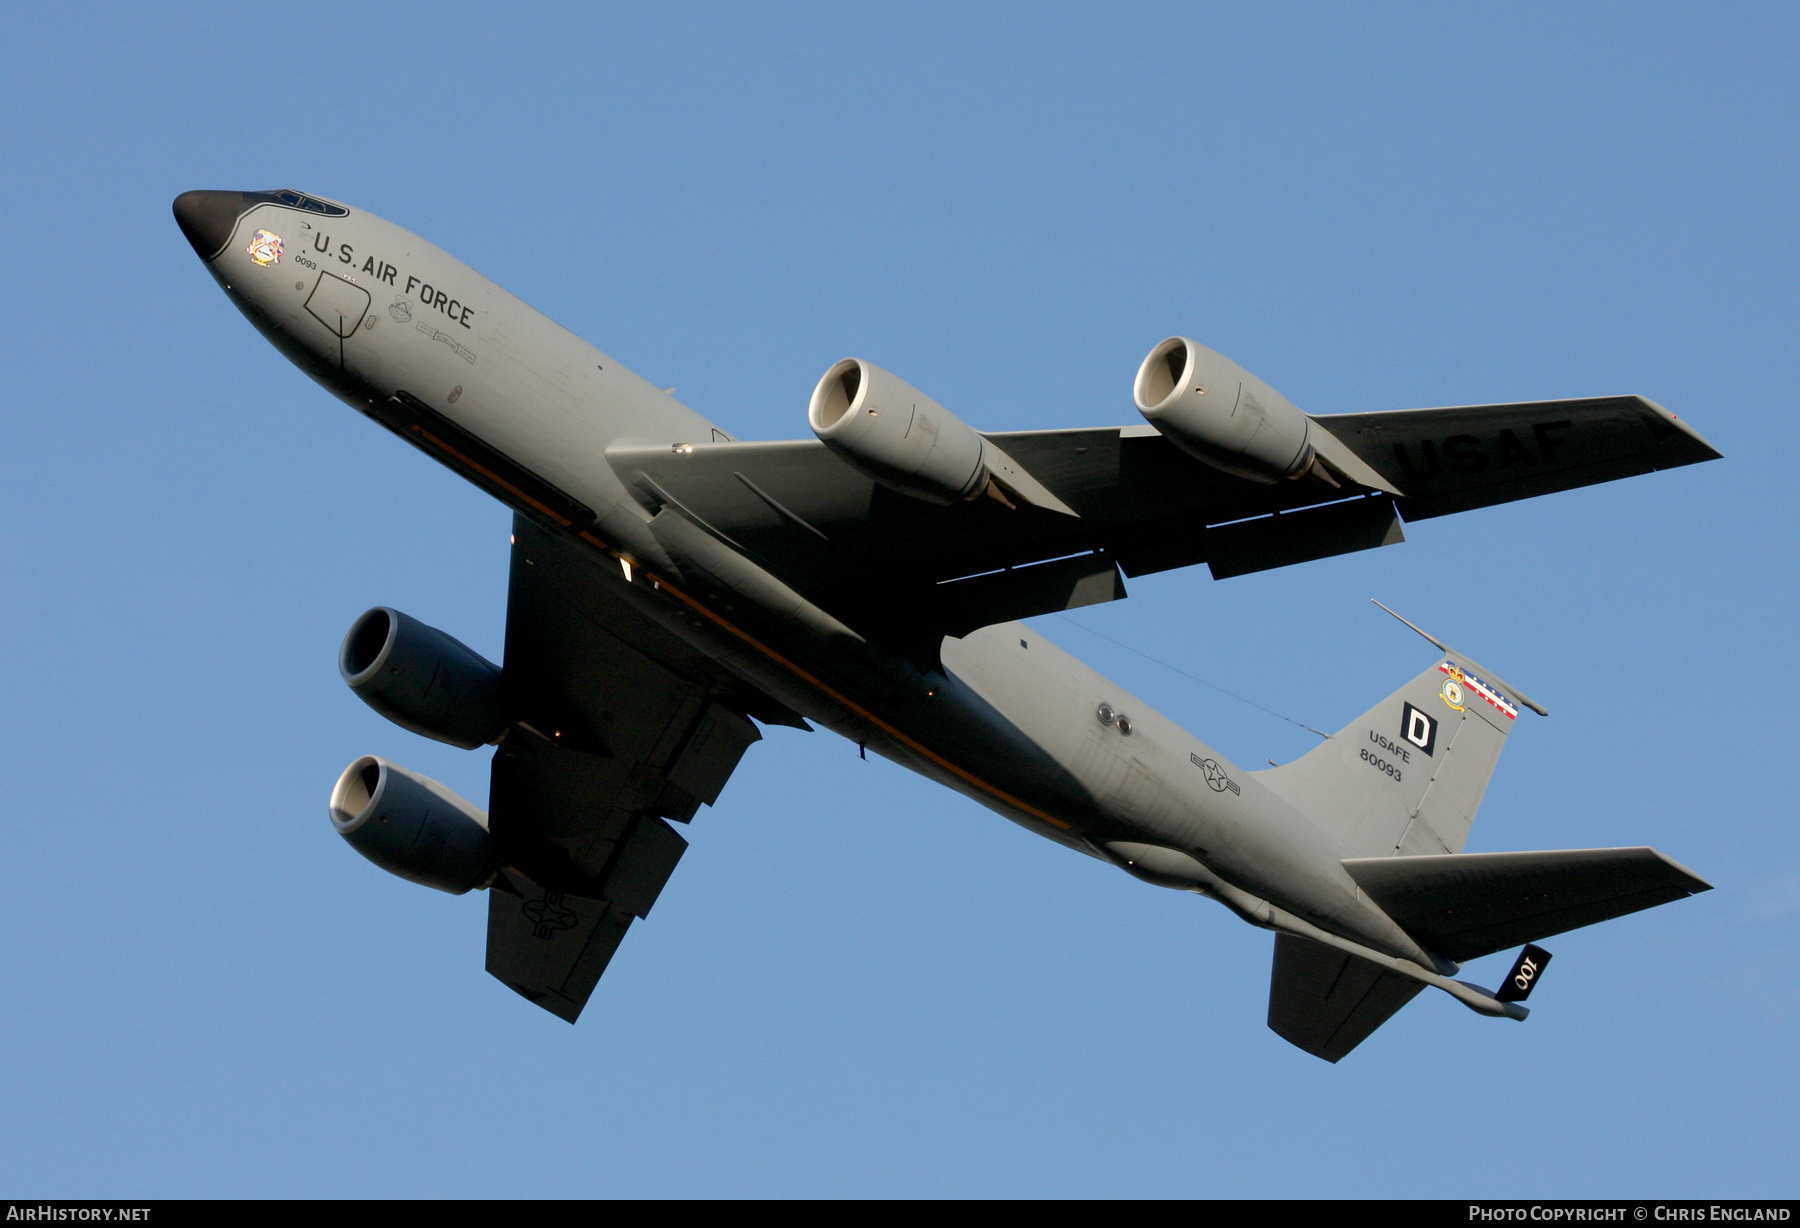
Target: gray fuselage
382 318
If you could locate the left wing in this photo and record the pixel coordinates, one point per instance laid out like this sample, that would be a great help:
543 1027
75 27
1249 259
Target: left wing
624 728
1470 456
868 553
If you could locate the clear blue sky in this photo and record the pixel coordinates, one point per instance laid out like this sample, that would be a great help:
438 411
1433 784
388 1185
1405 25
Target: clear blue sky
858 983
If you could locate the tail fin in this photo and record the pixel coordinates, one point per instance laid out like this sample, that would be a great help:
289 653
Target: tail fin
1405 778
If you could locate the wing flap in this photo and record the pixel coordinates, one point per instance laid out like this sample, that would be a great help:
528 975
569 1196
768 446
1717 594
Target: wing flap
1327 1001
1464 905
1299 537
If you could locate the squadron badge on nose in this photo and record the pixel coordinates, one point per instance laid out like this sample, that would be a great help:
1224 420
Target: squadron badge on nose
265 248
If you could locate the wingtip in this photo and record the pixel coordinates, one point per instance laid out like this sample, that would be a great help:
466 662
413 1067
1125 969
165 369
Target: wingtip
1699 447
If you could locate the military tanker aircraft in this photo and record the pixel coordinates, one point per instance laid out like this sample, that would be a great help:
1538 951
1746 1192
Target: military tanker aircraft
672 587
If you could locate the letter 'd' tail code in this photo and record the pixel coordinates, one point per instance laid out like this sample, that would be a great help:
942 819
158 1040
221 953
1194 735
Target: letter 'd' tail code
1406 777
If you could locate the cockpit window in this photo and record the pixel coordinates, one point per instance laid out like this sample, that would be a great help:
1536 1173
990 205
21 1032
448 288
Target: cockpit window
298 200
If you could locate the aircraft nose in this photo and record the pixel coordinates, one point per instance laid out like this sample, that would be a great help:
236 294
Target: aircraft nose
207 219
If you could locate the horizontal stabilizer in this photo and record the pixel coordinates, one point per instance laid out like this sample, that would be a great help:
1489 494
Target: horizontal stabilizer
1469 904
1327 1001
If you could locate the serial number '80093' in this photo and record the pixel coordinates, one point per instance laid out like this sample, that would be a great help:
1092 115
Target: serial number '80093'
1379 764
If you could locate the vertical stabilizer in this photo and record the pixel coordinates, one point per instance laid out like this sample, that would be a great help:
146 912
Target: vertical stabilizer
1405 778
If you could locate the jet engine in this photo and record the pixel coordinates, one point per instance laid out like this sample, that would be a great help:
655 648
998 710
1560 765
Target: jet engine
883 427
1215 410
421 679
412 826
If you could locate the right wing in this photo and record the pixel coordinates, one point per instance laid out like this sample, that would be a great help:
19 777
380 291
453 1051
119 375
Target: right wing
622 728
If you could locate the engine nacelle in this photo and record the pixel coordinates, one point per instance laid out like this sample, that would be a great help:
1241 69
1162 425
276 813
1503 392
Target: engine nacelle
423 680
412 826
1215 410
884 427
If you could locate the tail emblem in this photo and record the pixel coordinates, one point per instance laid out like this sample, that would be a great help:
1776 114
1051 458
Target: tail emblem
1454 696
1453 693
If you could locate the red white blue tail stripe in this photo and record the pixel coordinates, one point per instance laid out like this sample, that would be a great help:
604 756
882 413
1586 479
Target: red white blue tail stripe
1490 693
